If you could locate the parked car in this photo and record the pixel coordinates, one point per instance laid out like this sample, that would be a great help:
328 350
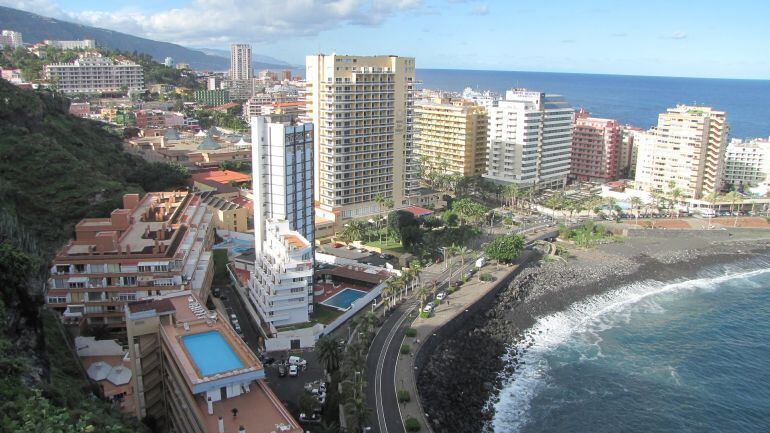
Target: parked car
309 418
293 370
296 360
281 370
238 329
266 360
467 275
321 398
441 296
427 309
233 317
216 292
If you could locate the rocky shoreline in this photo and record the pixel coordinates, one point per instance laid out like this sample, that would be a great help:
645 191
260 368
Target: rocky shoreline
463 370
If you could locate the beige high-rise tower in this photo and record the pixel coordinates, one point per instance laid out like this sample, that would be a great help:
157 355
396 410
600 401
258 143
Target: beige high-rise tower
687 148
362 109
240 61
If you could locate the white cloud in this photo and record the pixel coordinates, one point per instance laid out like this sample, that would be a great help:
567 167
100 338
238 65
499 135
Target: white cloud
204 22
677 35
480 10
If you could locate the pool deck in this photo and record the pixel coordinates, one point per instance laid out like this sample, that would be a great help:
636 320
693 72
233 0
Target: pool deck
330 290
361 293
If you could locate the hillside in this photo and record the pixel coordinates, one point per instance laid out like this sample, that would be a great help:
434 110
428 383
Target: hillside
36 28
54 170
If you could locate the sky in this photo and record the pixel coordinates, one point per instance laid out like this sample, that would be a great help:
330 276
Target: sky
707 38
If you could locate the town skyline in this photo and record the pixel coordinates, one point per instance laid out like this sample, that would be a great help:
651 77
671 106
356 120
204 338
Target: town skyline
634 40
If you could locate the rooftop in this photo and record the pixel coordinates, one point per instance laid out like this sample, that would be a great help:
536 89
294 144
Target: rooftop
221 176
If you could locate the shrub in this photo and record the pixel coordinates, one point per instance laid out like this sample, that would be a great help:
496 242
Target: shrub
403 396
436 303
405 349
411 332
412 425
487 277
424 315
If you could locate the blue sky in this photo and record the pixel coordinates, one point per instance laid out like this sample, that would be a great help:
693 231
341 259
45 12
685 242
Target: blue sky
708 38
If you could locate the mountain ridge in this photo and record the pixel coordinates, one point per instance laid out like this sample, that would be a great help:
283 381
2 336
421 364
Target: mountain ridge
36 28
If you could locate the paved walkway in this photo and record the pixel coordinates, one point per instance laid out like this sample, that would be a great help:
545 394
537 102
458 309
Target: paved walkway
454 305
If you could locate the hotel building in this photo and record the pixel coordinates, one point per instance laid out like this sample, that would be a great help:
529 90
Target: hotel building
747 163
153 245
280 287
9 38
451 137
84 44
530 139
95 74
193 374
362 110
596 149
687 148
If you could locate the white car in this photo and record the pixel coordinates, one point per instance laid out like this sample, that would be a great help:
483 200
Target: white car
441 296
293 370
427 309
296 360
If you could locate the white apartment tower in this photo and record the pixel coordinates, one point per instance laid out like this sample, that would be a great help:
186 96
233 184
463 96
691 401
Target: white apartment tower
747 163
362 109
687 149
530 139
11 39
281 286
240 62
95 74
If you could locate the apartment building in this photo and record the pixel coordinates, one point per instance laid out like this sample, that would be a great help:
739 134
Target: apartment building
627 153
212 98
747 163
191 372
687 149
280 287
451 137
158 119
240 62
11 39
153 245
530 139
362 110
229 214
95 74
596 145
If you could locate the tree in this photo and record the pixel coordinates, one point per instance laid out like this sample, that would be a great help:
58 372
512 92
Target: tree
674 194
512 191
359 411
422 295
399 220
636 203
734 197
505 248
329 352
711 198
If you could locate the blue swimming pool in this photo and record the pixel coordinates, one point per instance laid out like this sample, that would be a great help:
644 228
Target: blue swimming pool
344 299
211 353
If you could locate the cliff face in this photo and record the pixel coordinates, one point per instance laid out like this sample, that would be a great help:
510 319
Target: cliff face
54 170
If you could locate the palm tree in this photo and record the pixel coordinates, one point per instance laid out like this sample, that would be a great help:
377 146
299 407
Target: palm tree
462 252
636 203
711 198
734 197
328 427
611 204
675 194
512 191
329 352
387 291
554 202
422 295
359 411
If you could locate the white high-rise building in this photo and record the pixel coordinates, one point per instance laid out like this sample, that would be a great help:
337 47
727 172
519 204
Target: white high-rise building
11 39
95 74
281 280
362 109
530 139
168 62
240 62
687 149
747 163
84 44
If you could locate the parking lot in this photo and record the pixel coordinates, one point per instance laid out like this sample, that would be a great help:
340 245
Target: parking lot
289 389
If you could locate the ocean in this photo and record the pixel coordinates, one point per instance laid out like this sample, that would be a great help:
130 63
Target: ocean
687 356
635 100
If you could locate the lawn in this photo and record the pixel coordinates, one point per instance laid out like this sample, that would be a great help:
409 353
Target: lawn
387 245
324 314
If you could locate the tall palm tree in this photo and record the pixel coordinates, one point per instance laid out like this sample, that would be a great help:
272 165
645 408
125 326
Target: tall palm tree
674 194
711 198
329 352
734 197
462 252
359 411
511 192
636 203
422 295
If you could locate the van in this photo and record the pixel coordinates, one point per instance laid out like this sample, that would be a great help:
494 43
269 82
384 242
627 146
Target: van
296 360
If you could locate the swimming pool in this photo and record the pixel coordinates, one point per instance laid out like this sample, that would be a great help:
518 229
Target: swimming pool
211 353
344 298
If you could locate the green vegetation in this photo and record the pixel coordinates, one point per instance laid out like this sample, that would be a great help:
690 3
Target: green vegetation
220 267
403 396
424 315
410 332
31 66
324 314
228 120
54 170
412 425
387 245
487 277
239 166
505 248
405 349
587 234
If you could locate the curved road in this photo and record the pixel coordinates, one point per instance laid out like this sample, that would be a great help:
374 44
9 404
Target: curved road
384 351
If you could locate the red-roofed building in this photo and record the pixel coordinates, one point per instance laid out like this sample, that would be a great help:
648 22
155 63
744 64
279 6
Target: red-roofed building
222 182
418 212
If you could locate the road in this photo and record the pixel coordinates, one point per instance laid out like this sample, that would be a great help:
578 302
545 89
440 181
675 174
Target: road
384 351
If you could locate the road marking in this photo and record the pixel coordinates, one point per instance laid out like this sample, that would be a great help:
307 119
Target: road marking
378 375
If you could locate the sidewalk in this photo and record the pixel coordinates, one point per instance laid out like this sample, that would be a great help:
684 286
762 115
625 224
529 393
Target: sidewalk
457 303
